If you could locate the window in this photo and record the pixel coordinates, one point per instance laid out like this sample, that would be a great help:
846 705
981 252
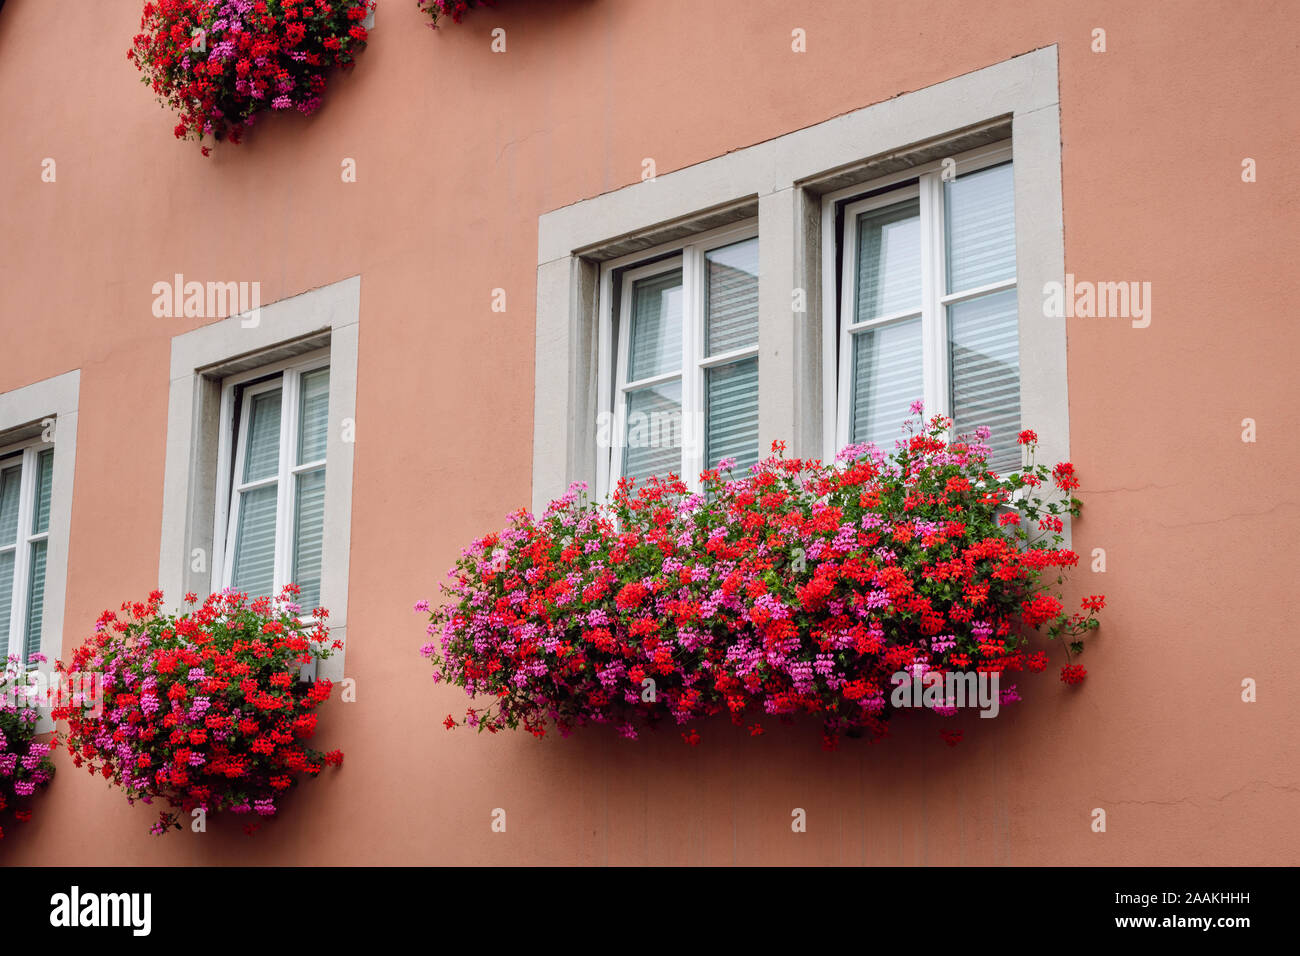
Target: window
26 484
946 306
275 425
928 306
685 395
257 415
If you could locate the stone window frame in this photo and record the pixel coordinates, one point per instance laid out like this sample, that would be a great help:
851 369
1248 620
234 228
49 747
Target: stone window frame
30 413
201 360
784 182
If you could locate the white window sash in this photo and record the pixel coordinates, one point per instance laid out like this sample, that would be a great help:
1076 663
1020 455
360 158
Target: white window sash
230 458
27 456
926 184
614 386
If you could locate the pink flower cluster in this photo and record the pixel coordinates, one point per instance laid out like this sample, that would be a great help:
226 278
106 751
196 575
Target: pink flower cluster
25 765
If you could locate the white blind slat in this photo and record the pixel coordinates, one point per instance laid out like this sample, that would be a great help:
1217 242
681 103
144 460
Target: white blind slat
731 308
985 372
656 343
262 453
889 260
254 564
35 599
10 488
887 379
653 434
7 561
313 416
309 532
732 414
44 485
980 219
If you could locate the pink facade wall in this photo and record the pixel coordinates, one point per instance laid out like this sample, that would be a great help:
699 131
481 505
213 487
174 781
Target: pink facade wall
458 152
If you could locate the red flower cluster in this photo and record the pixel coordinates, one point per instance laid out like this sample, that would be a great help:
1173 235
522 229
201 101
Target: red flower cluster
449 8
205 708
219 63
800 588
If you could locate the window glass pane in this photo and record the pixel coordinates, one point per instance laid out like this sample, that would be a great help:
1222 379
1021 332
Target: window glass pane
10 488
7 560
732 395
980 217
35 599
313 416
254 566
887 379
889 260
309 526
984 342
656 344
44 483
262 452
653 439
732 290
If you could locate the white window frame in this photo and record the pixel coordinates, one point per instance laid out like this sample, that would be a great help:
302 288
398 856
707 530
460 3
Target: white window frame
230 458
926 184
27 454
690 257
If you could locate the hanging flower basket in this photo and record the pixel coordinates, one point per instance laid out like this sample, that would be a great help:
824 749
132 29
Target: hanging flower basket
204 709
221 63
25 765
848 591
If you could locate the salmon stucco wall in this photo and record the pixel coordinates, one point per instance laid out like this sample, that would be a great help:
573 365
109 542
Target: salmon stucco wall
458 151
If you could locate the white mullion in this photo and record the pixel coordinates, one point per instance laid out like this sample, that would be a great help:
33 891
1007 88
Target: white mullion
236 497
934 327
726 358
287 491
225 480
241 487
606 350
891 319
308 466
618 431
831 318
22 556
693 425
650 380
849 288
975 293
